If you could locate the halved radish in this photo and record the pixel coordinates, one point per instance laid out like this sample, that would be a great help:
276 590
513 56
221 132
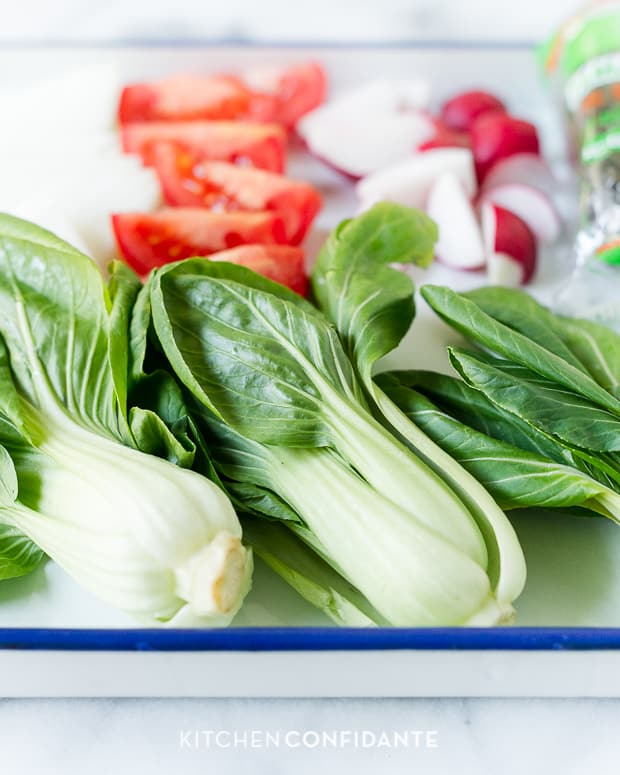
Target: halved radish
359 145
380 95
495 136
530 204
526 168
460 241
369 127
510 246
410 181
461 111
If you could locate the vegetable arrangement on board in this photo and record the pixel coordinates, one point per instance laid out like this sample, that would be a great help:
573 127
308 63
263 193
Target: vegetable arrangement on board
269 400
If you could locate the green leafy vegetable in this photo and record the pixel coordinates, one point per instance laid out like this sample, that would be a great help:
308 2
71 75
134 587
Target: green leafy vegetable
540 402
18 554
465 316
291 417
371 304
515 477
547 404
589 346
139 532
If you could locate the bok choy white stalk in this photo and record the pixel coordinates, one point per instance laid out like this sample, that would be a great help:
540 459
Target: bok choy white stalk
141 533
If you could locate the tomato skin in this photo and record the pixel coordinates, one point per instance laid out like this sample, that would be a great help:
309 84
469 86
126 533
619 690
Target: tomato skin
148 240
186 182
184 98
301 88
243 143
293 92
282 263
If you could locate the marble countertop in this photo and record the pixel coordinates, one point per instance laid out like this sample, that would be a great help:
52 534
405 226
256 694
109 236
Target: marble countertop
473 737
277 20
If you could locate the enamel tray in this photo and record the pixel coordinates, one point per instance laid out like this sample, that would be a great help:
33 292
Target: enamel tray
57 640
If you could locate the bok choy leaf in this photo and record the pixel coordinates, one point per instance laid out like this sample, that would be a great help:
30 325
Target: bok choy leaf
516 478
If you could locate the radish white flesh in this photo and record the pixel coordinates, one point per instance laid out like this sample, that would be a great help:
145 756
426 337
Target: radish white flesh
510 246
409 182
502 269
380 95
526 168
530 204
460 241
369 127
361 145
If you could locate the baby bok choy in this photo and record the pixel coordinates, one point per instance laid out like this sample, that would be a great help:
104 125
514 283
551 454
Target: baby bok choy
286 417
138 531
371 304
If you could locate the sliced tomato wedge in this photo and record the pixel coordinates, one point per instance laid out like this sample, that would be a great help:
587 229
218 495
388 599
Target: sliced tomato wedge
148 240
242 143
284 96
184 98
219 186
282 263
301 89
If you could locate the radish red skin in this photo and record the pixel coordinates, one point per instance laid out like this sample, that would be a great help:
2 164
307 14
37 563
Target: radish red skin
514 238
460 112
496 136
532 205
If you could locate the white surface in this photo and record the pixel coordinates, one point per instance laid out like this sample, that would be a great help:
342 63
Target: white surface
363 673
281 20
474 737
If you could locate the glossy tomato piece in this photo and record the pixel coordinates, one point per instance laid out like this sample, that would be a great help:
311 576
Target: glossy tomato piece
282 263
289 94
221 186
184 98
242 143
302 88
147 240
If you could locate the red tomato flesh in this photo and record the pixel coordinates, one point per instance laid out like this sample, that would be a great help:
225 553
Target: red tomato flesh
242 143
220 186
282 263
148 240
298 90
184 98
291 94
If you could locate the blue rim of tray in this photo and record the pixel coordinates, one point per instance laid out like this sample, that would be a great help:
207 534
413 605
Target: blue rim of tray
313 639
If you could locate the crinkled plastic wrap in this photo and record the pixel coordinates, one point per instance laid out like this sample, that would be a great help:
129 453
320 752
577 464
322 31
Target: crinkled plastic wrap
583 62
